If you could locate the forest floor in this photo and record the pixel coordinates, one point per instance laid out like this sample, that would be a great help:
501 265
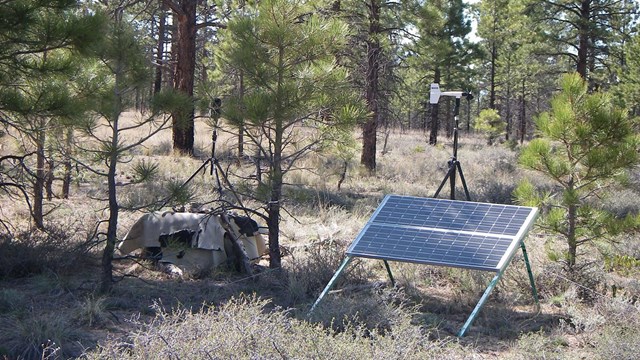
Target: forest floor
48 281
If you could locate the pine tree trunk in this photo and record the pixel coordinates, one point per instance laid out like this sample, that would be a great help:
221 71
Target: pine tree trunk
435 124
184 73
273 222
508 105
38 185
572 220
66 180
370 127
571 236
523 114
112 225
273 208
583 38
241 127
492 85
448 121
48 184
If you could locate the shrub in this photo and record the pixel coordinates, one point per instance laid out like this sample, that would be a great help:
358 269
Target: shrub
490 122
309 273
619 337
243 329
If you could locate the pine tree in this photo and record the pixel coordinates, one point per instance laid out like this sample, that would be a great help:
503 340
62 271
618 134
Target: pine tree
628 91
585 143
583 32
297 98
443 50
111 81
38 43
516 74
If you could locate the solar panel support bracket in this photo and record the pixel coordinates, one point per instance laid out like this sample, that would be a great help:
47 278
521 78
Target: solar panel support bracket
493 284
331 283
534 291
386 265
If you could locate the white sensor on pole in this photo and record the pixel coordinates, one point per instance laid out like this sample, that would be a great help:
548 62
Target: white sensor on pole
434 95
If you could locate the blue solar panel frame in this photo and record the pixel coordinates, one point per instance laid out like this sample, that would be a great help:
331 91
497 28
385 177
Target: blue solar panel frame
463 234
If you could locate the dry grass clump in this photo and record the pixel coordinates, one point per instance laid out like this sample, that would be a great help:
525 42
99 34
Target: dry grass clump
42 335
309 272
243 329
35 252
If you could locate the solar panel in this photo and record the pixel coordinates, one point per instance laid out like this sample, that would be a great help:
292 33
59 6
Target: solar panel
452 233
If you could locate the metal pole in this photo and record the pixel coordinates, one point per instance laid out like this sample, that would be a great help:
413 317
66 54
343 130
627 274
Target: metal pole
386 264
454 160
533 284
480 304
324 292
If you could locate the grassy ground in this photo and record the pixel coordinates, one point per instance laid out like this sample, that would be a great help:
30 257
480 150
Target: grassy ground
48 303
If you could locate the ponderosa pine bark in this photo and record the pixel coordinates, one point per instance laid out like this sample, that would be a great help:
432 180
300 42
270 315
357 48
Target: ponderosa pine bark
370 127
184 72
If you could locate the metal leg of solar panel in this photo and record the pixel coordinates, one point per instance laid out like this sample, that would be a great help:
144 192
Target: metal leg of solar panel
533 284
480 304
326 290
386 264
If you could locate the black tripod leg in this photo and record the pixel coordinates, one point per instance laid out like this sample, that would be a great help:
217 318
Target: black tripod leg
452 180
444 181
464 183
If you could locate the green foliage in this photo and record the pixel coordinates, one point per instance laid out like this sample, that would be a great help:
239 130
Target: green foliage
180 193
290 66
624 264
628 90
170 100
41 41
585 144
145 171
490 122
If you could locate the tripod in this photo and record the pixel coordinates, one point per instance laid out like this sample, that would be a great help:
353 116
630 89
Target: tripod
215 169
454 164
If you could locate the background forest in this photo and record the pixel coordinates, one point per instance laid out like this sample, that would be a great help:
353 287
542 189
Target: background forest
305 114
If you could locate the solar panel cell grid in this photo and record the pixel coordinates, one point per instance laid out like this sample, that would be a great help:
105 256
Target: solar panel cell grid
442 232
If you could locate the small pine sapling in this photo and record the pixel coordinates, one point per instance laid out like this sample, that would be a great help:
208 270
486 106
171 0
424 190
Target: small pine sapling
585 144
